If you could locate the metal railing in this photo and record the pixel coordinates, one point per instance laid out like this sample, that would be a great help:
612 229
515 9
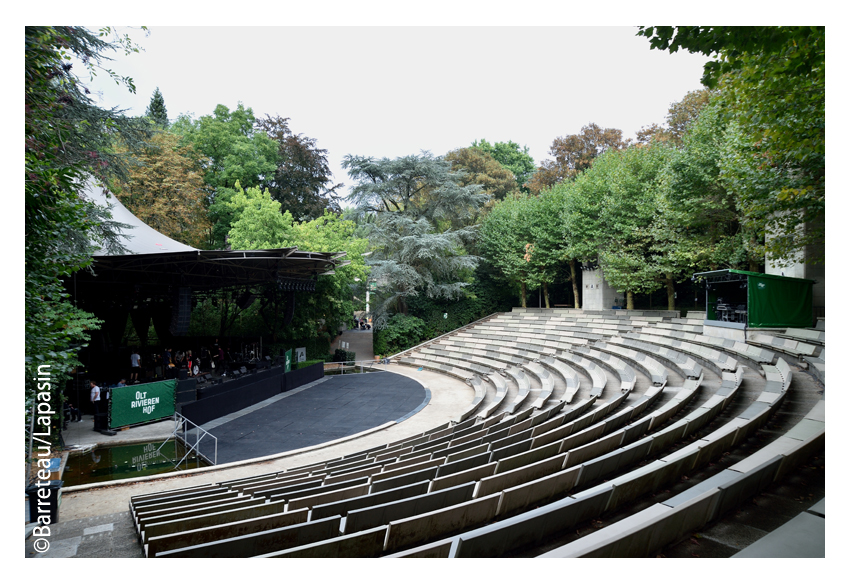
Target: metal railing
349 367
186 426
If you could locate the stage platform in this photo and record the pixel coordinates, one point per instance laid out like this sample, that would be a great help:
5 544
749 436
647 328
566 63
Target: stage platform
337 407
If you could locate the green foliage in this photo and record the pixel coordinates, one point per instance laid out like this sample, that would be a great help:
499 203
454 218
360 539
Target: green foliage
511 156
156 110
67 141
400 333
308 363
505 239
302 182
772 89
734 43
420 229
482 169
485 295
258 221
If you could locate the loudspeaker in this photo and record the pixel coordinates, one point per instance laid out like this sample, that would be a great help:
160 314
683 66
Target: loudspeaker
181 311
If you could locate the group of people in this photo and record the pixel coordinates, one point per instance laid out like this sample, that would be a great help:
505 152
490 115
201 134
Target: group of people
175 361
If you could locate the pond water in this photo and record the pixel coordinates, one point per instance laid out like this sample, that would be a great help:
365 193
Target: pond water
109 463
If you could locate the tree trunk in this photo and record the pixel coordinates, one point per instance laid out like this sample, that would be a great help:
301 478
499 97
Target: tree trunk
671 292
630 300
546 293
575 284
523 295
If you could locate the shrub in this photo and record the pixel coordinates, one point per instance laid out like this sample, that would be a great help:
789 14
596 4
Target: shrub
402 332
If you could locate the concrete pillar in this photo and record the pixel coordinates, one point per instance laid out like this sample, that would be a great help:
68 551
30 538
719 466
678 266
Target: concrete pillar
595 291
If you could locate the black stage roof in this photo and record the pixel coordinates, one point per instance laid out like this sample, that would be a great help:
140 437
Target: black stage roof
152 259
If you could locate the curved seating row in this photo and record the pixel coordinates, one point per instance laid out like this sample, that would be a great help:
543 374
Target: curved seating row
465 489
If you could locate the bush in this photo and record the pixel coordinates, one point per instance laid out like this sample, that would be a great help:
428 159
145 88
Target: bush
341 355
304 364
402 332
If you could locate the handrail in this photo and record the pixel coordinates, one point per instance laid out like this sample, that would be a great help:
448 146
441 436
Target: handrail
365 363
180 421
451 332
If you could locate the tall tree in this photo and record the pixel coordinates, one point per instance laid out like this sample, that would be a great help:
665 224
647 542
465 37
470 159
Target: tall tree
156 110
67 142
482 169
235 151
166 191
302 182
613 209
680 116
420 232
575 153
772 82
507 242
513 157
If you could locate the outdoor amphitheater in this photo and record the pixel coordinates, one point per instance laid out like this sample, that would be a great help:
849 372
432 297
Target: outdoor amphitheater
542 433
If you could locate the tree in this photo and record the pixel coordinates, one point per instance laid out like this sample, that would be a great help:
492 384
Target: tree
234 150
67 142
705 213
259 223
680 116
511 156
612 210
575 153
166 191
156 110
482 169
506 242
302 181
420 231
772 82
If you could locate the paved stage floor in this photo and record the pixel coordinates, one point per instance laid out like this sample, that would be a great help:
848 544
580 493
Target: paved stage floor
339 406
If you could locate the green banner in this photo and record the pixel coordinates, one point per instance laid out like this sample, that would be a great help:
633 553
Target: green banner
288 365
142 403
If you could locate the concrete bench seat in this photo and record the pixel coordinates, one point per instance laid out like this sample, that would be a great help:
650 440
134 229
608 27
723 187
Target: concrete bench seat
369 517
686 366
480 393
263 542
708 356
363 544
597 376
738 348
649 530
256 508
523 386
547 383
807 335
656 372
501 391
569 375
620 368
785 345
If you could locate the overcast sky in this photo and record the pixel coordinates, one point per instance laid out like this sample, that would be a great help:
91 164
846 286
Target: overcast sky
394 91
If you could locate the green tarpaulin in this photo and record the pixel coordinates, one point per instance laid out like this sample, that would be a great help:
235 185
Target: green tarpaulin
142 403
778 301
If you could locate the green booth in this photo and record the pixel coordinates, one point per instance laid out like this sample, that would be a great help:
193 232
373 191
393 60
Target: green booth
753 300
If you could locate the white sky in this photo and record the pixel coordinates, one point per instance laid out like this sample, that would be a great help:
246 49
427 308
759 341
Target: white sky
393 91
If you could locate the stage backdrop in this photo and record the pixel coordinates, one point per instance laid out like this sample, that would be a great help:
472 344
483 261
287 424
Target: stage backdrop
142 403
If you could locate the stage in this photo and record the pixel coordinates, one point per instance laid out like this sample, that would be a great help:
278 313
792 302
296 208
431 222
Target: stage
336 407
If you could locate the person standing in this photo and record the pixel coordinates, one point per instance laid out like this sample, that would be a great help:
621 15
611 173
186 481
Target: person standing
135 366
95 397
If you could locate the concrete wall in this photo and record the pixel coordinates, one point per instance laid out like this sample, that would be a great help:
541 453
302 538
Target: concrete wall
596 294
